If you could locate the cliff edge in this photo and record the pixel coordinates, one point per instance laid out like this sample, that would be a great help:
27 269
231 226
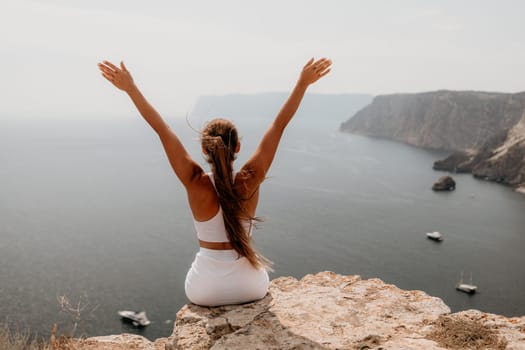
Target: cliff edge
330 311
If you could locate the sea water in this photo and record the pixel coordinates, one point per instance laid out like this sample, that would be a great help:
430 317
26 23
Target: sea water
93 220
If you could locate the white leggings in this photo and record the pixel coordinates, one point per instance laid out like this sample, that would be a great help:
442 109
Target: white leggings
219 277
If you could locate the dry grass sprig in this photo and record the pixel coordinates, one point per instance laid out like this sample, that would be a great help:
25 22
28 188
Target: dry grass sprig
15 339
76 310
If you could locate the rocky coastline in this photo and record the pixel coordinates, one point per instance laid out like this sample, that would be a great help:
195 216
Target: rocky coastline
329 311
485 132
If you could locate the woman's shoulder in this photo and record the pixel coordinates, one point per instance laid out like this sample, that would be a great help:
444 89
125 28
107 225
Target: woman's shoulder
247 181
203 198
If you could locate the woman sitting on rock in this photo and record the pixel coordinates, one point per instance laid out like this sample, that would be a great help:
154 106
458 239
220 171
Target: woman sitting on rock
227 269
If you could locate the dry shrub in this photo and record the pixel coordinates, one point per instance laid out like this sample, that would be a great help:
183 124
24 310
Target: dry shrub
15 339
464 333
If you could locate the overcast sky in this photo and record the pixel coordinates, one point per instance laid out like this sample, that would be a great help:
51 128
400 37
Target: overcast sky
178 50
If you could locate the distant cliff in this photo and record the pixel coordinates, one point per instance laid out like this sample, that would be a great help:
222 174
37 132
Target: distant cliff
484 130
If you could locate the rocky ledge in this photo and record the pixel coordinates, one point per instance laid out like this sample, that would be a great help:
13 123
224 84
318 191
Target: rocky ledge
330 311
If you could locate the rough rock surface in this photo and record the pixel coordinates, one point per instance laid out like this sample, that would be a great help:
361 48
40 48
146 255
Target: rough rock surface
486 131
118 342
322 311
445 183
506 161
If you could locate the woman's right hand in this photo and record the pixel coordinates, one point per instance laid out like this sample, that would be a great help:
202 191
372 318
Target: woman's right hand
314 71
119 77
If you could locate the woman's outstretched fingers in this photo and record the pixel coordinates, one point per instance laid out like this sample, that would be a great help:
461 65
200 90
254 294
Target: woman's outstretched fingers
323 65
119 77
106 69
108 77
314 70
325 72
111 65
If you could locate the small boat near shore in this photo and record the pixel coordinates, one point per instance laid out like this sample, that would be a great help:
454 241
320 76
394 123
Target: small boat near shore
138 319
468 288
435 236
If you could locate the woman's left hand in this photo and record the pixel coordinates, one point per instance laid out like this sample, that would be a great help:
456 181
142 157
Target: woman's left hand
120 77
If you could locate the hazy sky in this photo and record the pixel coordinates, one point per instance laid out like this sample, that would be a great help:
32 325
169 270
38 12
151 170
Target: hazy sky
178 50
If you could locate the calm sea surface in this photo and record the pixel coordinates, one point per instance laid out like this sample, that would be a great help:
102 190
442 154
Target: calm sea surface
91 212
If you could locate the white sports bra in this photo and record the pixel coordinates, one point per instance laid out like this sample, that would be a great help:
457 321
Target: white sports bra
213 230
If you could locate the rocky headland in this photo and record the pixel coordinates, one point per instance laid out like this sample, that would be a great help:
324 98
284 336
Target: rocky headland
329 311
484 131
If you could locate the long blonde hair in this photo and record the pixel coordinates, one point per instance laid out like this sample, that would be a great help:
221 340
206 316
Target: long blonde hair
219 140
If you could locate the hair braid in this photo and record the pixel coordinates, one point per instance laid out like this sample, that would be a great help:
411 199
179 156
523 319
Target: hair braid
219 138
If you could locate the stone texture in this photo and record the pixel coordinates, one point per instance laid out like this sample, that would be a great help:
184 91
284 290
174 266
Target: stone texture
505 162
445 183
114 342
457 162
321 311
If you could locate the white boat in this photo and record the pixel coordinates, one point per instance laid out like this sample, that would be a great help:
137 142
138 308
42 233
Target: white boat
468 288
436 236
136 318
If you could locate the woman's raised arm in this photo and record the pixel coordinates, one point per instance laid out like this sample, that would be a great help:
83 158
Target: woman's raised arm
263 156
186 169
